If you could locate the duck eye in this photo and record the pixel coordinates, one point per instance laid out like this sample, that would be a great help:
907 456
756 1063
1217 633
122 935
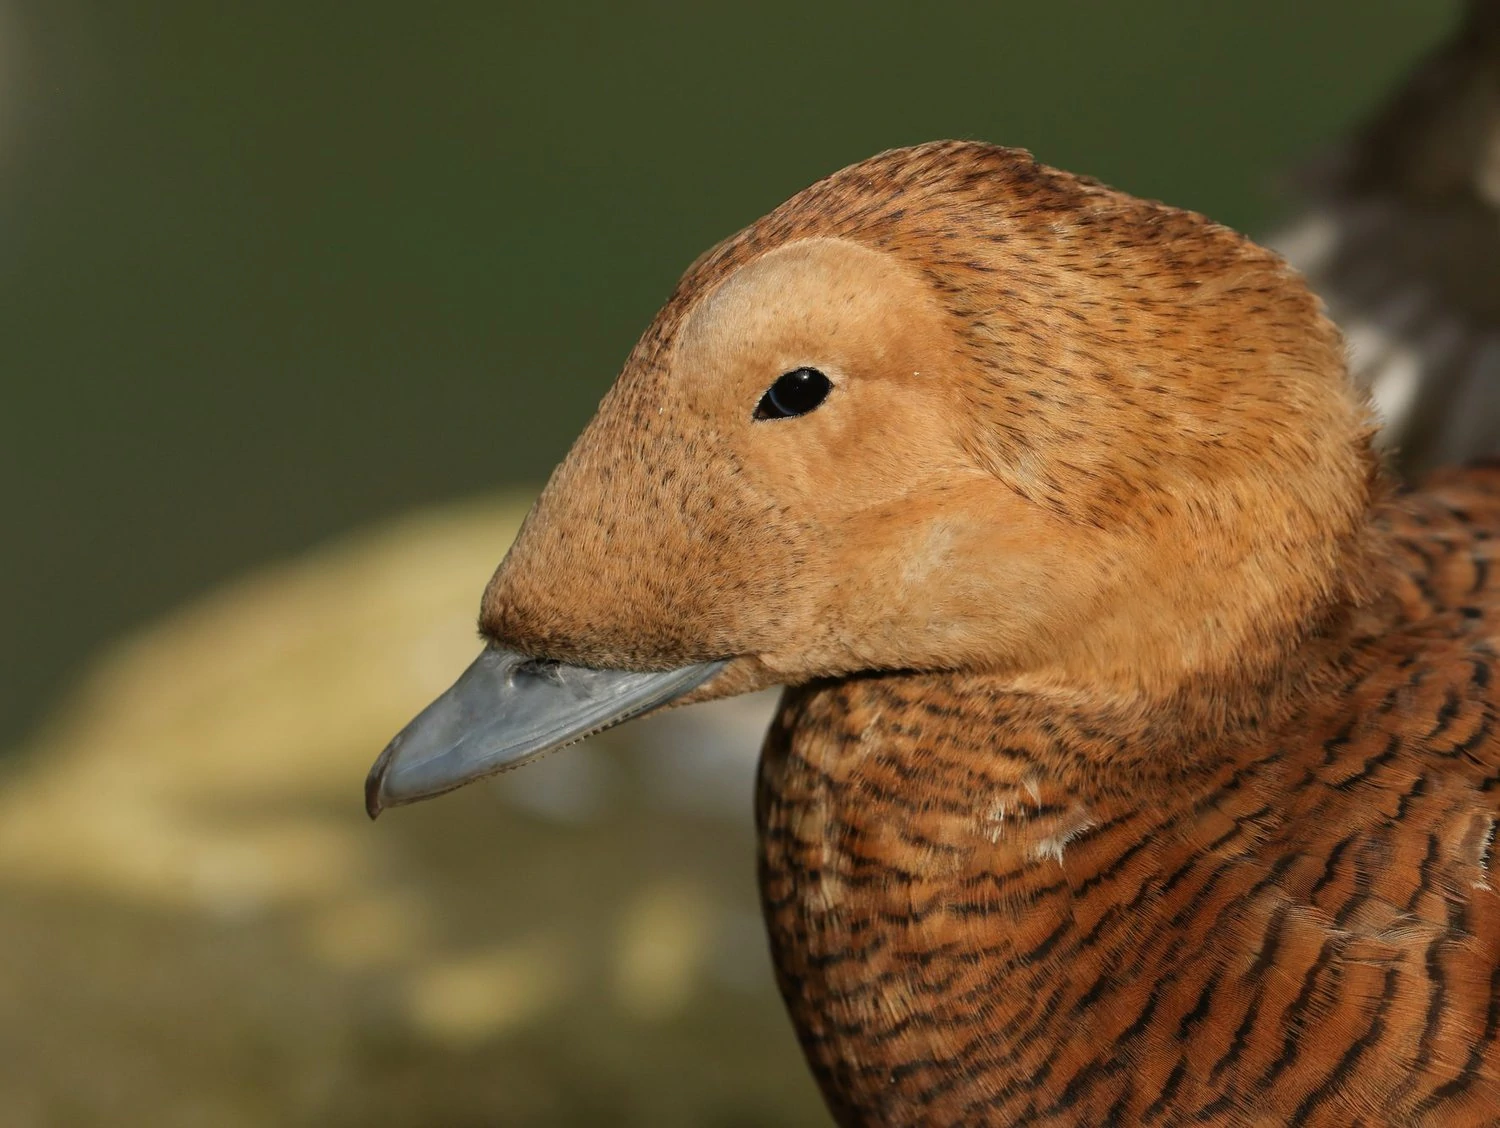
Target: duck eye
795 393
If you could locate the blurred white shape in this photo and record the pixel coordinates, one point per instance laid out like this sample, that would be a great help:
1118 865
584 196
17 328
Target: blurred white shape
701 758
1310 242
571 785
1394 368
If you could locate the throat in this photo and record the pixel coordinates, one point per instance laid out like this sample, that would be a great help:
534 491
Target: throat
913 856
924 841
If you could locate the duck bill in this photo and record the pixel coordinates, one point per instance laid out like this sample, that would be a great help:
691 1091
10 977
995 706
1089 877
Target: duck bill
507 709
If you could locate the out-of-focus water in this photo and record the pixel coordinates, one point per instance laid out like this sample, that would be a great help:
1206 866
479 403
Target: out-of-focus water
270 270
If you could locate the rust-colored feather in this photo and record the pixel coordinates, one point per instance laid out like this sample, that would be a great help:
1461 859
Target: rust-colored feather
1297 925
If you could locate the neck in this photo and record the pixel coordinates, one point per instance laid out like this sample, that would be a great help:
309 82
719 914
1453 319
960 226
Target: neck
899 813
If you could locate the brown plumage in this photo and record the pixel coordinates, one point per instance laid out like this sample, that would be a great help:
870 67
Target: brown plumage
1138 765
1288 923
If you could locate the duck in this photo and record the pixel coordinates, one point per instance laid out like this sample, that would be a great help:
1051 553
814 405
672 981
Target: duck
1137 759
1399 231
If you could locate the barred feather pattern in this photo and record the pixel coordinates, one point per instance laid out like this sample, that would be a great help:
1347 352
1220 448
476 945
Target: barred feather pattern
992 907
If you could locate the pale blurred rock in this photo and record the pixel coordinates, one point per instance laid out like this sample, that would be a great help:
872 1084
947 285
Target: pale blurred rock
470 999
661 949
201 927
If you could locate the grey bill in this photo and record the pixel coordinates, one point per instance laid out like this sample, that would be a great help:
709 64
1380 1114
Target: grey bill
506 709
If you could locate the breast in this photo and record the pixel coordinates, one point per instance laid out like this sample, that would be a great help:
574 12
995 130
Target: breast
1300 930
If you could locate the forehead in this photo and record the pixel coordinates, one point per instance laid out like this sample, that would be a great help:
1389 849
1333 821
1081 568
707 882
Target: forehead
812 292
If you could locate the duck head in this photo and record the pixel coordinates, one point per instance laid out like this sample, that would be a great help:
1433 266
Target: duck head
947 409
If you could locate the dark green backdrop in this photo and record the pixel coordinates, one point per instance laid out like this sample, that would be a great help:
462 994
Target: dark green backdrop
270 270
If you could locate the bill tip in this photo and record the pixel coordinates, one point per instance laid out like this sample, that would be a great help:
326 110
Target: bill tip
373 806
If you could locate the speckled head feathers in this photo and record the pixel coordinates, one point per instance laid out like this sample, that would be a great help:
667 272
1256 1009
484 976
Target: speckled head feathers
1073 435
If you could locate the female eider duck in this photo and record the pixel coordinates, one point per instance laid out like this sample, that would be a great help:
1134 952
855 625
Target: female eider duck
1137 764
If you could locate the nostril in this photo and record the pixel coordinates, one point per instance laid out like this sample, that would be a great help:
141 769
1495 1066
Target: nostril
549 668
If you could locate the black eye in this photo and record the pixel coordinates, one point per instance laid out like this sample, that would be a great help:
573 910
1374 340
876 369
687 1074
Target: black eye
795 393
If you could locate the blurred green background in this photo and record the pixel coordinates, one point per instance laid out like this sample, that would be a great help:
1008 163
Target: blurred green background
273 275
268 271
